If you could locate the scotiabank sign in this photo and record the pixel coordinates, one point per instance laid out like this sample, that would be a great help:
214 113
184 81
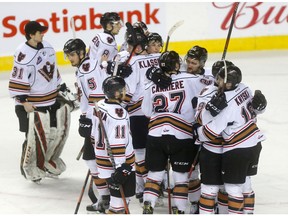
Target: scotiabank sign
202 20
86 15
60 23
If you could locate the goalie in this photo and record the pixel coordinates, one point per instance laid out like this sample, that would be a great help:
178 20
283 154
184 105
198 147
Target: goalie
35 85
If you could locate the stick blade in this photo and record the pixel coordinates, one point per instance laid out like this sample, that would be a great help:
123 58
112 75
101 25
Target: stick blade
175 26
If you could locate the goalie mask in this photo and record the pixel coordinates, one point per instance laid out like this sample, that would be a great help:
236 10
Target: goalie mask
113 84
218 65
170 61
234 75
198 53
109 17
74 45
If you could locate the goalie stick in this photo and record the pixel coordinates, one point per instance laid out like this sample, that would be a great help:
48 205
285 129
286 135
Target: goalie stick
109 150
173 28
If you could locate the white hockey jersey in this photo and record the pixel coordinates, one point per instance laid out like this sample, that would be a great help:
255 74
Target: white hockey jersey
35 74
103 43
170 110
135 83
116 123
236 123
203 117
90 77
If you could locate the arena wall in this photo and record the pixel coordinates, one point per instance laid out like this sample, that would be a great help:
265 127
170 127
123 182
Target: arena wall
258 25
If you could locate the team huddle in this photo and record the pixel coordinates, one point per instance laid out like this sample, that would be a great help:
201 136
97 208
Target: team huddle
145 116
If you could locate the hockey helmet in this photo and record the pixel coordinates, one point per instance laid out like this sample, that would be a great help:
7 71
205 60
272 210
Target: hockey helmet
198 53
140 38
168 61
113 84
74 45
218 65
155 37
142 25
234 75
109 17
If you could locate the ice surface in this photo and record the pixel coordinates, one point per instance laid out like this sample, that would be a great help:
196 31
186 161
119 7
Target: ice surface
264 70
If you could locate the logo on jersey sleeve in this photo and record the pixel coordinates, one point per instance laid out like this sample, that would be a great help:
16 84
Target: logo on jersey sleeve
47 71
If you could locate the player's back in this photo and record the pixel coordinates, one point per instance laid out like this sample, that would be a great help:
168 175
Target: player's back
170 110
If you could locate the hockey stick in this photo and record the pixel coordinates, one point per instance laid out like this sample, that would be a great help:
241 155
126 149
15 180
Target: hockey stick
109 150
221 88
91 193
173 28
230 30
72 23
131 31
80 153
194 162
168 186
82 192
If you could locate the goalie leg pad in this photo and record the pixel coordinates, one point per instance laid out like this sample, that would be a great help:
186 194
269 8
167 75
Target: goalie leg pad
58 136
34 156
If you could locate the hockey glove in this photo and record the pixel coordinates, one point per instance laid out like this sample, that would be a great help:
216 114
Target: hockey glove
259 101
158 77
120 175
194 102
216 104
62 87
122 70
85 126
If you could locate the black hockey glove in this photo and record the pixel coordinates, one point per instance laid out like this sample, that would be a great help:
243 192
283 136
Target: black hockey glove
158 77
85 126
194 130
62 87
259 101
120 175
216 104
194 102
122 70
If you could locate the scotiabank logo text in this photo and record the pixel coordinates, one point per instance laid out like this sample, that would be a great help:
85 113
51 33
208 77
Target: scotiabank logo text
89 21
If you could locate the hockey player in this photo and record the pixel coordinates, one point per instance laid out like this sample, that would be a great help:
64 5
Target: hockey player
104 43
117 145
194 63
139 62
236 132
155 43
170 132
89 81
34 84
137 25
